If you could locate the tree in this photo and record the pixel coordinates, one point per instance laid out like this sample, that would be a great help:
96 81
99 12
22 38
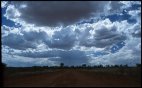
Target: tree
107 66
100 66
61 65
83 65
3 65
138 65
72 66
125 65
116 66
121 66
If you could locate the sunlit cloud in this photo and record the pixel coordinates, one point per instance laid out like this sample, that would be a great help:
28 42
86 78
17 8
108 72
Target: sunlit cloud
71 32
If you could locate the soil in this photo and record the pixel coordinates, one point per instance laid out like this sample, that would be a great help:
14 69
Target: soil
71 78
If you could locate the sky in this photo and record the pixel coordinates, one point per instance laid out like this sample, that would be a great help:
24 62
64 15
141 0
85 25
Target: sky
47 33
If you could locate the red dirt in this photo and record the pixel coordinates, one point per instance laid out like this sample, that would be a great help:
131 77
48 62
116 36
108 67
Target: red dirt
71 78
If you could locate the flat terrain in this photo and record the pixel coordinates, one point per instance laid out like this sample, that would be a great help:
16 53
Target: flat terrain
71 78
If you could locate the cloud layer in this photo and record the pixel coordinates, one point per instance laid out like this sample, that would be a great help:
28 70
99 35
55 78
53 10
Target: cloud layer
57 36
55 13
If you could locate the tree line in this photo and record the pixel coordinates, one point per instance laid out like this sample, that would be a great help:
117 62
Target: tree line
3 65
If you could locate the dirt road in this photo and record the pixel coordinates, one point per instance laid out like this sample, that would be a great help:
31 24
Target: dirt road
71 78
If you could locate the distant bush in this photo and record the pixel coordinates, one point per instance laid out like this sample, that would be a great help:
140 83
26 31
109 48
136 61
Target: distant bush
61 65
3 65
83 65
138 65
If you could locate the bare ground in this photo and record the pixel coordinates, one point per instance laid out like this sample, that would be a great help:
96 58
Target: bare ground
72 78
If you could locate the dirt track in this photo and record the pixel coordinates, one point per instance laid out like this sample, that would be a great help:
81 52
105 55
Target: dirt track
71 78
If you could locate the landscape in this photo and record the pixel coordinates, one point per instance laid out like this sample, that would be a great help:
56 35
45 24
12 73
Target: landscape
71 43
80 76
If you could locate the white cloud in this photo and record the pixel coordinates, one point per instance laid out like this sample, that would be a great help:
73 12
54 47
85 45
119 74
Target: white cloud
12 13
22 39
121 57
70 44
130 54
5 30
3 4
136 14
100 34
17 61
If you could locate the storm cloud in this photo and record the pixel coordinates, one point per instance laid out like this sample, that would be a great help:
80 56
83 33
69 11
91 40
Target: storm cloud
103 34
75 32
24 40
64 39
53 13
72 57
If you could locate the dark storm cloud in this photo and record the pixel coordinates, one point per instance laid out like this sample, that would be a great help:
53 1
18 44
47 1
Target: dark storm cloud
76 44
72 57
54 13
137 34
115 6
35 36
104 37
27 40
136 31
64 39
17 41
45 54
